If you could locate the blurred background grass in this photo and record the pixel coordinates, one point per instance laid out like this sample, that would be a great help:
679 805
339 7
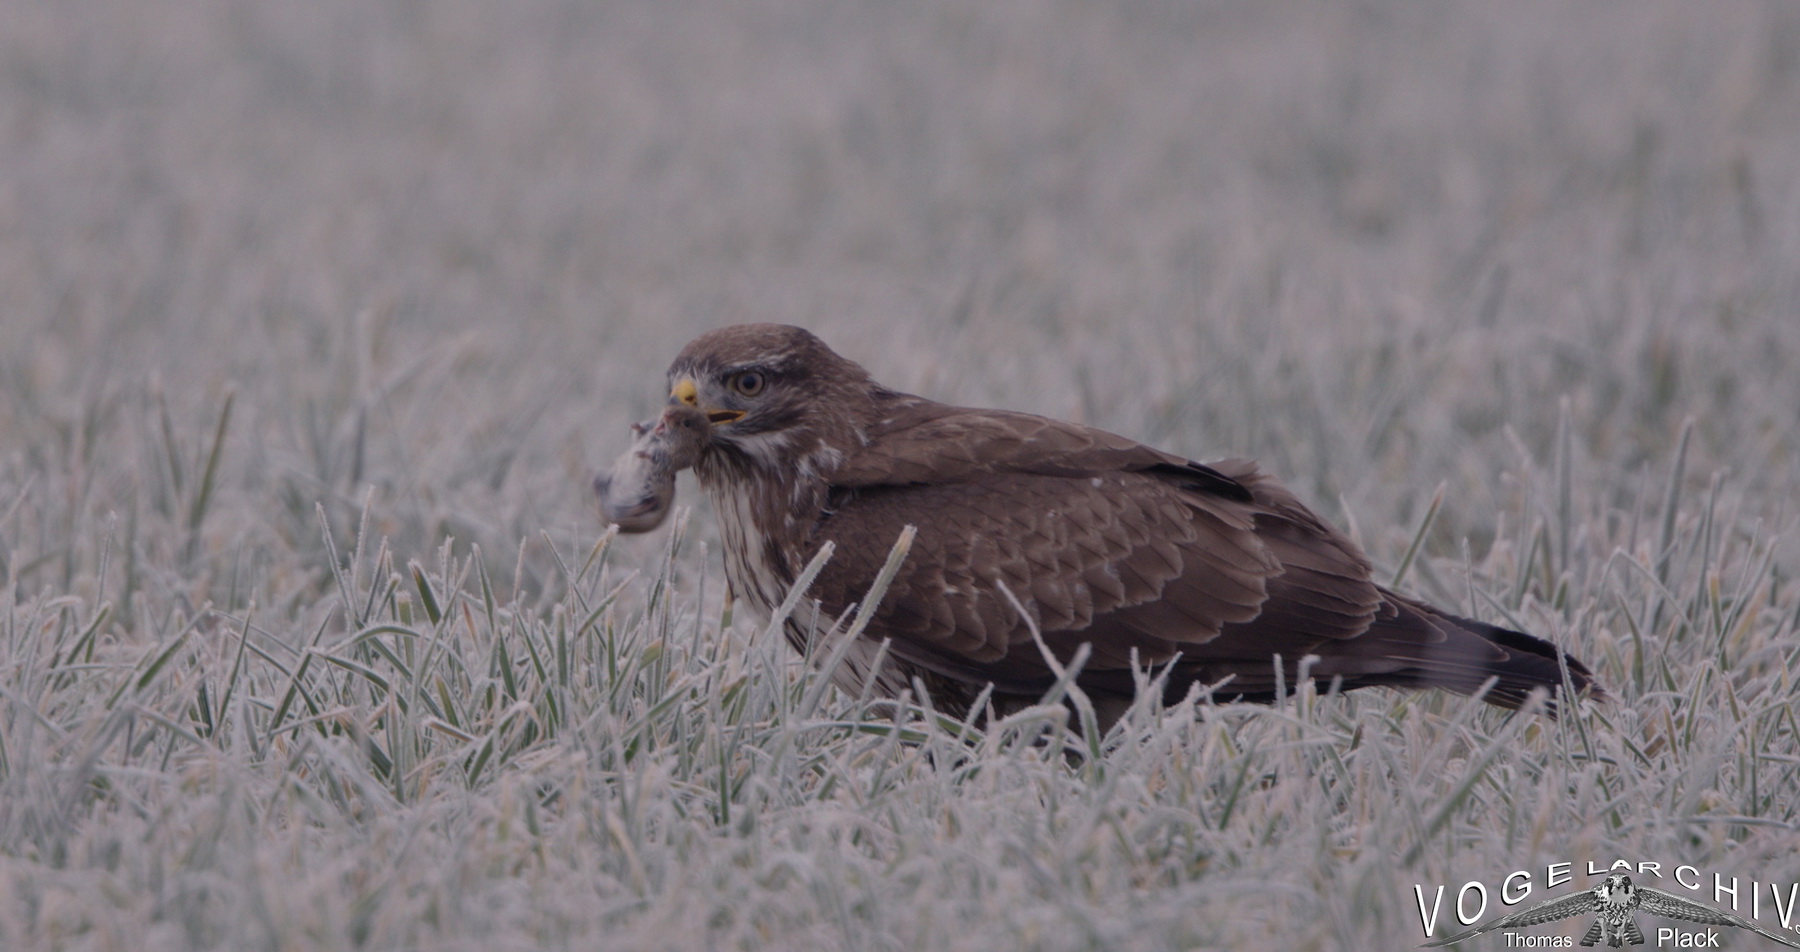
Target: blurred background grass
258 258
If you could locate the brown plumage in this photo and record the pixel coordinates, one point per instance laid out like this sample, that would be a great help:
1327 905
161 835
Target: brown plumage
1204 572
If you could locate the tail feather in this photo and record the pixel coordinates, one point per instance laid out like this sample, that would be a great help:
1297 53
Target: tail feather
1438 649
1412 645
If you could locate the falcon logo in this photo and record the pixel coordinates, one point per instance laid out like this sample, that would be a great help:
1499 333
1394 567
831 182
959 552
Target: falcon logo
1613 904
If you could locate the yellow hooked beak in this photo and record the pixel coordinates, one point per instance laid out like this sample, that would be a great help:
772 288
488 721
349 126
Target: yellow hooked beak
686 391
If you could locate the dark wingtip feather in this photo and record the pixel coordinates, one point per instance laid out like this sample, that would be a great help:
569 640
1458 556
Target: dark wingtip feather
1531 663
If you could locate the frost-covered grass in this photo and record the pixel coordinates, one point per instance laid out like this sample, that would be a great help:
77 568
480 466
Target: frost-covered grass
315 320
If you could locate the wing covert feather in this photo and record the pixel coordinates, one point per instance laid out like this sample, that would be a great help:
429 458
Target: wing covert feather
1658 902
1069 549
1550 910
1138 553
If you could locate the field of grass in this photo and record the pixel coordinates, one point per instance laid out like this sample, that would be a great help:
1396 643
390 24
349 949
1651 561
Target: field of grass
316 320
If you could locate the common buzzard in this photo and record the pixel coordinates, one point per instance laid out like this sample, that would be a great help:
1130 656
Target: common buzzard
1202 573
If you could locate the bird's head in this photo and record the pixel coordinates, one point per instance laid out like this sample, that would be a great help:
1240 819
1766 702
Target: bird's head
775 395
1616 890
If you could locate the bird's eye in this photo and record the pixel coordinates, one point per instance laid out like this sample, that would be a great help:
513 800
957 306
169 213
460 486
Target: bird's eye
749 383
